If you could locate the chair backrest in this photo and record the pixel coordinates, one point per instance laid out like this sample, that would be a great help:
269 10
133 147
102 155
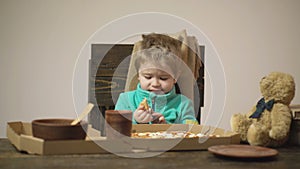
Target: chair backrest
108 73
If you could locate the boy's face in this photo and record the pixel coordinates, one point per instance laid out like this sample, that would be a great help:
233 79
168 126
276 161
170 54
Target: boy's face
155 79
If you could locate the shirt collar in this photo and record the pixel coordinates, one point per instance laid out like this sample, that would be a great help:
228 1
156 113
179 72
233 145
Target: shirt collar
144 93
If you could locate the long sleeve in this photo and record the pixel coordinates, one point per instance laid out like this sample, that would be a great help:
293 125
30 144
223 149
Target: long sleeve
187 112
126 102
123 102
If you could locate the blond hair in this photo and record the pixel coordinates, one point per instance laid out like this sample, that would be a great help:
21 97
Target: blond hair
160 50
159 57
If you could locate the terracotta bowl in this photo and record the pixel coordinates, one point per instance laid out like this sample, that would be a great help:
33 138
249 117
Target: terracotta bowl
58 129
118 123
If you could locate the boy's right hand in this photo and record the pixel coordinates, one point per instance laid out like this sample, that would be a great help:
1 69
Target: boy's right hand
142 116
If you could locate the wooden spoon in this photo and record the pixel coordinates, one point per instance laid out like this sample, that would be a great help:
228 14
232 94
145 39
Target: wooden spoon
85 112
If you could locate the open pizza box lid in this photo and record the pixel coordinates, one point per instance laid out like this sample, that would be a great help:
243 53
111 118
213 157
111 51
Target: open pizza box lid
20 135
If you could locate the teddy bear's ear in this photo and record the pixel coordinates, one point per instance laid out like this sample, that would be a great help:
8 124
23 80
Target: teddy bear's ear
262 80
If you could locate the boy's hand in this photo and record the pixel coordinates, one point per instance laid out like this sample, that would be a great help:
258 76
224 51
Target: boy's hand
158 118
142 116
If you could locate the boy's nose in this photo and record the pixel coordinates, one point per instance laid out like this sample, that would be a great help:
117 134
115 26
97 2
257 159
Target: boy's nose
155 82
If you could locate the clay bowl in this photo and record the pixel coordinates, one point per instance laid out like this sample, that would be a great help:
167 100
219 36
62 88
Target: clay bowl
58 129
118 123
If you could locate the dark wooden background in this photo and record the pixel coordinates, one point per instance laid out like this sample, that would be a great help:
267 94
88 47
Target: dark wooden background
108 69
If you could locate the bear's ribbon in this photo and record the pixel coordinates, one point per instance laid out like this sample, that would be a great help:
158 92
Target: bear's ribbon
261 106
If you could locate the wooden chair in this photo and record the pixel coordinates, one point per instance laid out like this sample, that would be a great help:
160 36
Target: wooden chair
108 69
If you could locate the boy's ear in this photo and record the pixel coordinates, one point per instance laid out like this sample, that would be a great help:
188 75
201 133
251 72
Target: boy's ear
175 80
177 76
138 76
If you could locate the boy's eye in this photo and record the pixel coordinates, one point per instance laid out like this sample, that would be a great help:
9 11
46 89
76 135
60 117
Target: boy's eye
147 77
163 78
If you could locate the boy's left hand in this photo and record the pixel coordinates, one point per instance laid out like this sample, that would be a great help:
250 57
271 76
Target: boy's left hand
158 118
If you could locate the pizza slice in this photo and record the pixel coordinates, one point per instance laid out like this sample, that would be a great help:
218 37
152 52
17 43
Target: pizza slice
145 104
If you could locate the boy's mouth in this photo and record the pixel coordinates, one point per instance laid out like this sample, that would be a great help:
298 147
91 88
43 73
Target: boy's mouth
157 91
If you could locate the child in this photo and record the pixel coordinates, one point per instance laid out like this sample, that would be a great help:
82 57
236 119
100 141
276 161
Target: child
158 69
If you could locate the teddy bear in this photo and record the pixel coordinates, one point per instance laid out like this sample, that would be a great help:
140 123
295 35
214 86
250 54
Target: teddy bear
268 123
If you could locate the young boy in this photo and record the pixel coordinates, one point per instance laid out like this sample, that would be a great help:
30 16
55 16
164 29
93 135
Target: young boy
158 69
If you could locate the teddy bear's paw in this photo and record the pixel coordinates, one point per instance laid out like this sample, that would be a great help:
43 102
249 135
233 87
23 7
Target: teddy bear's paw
240 124
258 135
235 122
281 122
278 139
278 134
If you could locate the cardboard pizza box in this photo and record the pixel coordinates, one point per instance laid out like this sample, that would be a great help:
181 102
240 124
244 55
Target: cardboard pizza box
20 135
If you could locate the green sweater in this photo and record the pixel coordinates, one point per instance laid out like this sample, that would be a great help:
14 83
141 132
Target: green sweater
176 108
